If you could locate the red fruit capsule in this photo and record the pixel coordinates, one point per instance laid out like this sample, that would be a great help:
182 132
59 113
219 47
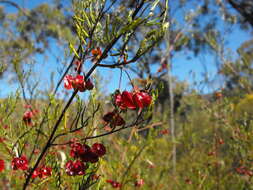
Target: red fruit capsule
36 173
79 167
142 99
133 100
108 117
118 120
2 164
114 184
42 172
96 54
139 183
19 163
79 83
75 168
119 101
127 99
68 79
77 150
89 85
45 172
114 118
27 117
90 156
69 168
98 149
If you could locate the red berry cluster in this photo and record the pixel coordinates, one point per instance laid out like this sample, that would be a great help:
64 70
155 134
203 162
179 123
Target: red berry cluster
139 183
244 171
114 119
77 82
75 168
29 114
19 163
132 100
85 154
2 165
27 117
42 172
113 183
165 132
96 54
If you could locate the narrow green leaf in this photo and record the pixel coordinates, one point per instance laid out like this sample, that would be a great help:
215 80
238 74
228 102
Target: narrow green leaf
78 18
154 4
85 33
72 49
87 19
92 14
107 23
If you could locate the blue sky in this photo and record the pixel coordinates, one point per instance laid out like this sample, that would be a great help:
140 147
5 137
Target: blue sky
184 69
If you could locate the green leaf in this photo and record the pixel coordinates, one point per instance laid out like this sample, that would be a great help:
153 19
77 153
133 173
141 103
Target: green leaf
92 14
87 19
133 25
78 18
72 49
107 23
154 4
153 22
84 33
210 38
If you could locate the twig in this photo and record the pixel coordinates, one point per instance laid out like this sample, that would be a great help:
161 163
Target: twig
130 166
14 5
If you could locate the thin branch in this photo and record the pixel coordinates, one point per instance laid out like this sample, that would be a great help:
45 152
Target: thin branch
14 5
103 134
67 70
46 147
130 166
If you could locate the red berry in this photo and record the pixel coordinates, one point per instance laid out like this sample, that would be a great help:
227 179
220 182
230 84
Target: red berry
75 168
118 120
119 101
19 163
96 54
79 83
90 157
108 116
142 99
89 85
77 150
114 184
114 118
36 173
68 79
76 82
79 167
27 117
2 164
45 172
127 99
132 100
98 149
139 183
69 168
